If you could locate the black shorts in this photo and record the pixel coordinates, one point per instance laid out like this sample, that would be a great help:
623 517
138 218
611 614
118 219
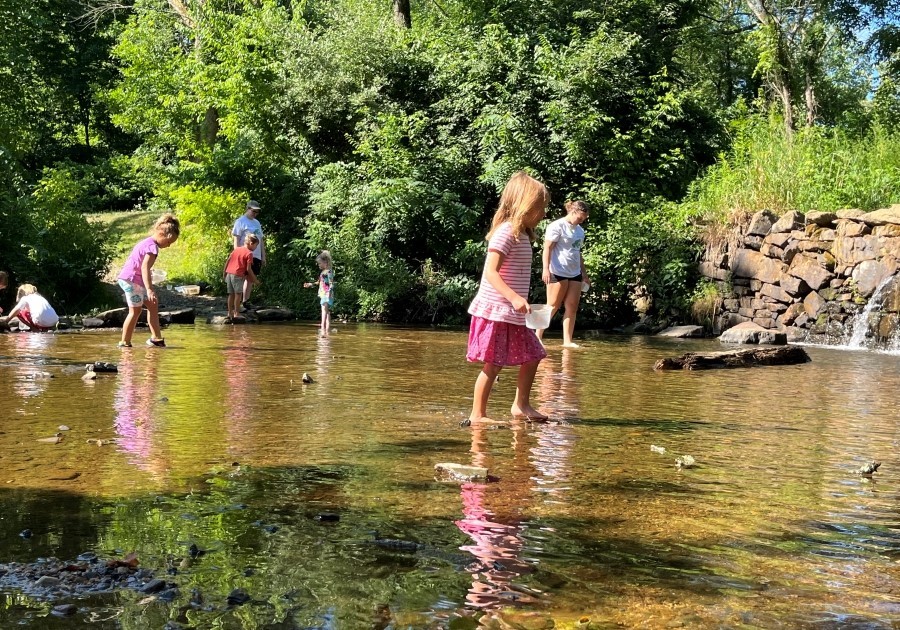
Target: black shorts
256 265
554 278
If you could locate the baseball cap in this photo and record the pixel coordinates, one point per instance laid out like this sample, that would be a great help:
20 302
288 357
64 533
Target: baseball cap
252 205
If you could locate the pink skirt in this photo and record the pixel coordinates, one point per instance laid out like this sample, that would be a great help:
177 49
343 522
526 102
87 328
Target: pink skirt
501 343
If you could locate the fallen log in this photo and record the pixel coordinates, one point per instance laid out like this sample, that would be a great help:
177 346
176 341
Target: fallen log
783 355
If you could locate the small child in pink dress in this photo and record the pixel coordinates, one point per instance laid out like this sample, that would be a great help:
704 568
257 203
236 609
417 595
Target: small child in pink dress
498 336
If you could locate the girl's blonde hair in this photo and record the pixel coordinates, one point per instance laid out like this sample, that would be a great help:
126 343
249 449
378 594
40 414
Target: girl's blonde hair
324 257
167 226
522 195
25 289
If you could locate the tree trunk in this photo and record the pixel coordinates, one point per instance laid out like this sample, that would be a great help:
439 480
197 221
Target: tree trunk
783 355
812 104
784 93
210 127
402 13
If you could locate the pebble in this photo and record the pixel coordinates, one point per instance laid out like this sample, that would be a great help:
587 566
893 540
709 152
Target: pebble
63 427
328 517
64 610
685 461
237 597
47 581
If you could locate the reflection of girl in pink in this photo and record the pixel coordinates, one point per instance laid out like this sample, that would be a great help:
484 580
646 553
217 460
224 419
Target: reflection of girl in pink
497 533
134 405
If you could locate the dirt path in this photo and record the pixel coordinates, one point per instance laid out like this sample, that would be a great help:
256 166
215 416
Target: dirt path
172 300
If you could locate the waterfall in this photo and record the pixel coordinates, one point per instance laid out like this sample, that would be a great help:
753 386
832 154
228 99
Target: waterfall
861 321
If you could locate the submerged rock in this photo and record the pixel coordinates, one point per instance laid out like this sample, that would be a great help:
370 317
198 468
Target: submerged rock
682 331
685 461
51 578
460 472
867 470
64 610
102 367
237 597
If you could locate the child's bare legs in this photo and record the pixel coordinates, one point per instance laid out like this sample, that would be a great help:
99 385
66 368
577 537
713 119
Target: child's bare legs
153 319
522 405
326 320
483 385
233 304
134 313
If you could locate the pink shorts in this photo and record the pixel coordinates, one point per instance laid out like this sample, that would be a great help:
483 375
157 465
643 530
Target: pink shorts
500 343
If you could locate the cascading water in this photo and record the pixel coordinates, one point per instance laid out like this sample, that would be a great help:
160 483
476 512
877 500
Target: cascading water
862 322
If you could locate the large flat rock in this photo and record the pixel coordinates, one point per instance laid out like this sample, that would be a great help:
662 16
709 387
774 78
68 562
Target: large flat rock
752 333
682 331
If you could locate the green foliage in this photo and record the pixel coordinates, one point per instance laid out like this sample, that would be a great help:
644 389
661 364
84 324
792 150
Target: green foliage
645 250
705 303
206 214
389 146
813 169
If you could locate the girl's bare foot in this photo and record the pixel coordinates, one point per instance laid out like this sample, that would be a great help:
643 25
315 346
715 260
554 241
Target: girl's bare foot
571 344
528 412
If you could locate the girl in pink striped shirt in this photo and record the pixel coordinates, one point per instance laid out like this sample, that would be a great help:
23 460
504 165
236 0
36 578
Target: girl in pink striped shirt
498 336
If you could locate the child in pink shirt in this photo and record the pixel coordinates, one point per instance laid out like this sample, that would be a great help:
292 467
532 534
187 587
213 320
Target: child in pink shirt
134 280
498 335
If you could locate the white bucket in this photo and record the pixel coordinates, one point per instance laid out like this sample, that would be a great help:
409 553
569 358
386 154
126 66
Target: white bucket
157 276
539 317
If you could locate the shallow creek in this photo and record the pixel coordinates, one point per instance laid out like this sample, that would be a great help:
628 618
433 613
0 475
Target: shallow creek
287 488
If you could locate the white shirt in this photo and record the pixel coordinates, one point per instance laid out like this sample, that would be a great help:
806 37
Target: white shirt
244 226
42 313
565 259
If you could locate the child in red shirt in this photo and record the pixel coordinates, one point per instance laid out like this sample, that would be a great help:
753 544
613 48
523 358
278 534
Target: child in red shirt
238 267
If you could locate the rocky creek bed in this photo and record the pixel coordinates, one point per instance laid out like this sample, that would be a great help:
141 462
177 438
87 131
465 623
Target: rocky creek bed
53 579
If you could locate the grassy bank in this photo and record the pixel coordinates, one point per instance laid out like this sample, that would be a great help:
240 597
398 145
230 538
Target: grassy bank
821 168
182 261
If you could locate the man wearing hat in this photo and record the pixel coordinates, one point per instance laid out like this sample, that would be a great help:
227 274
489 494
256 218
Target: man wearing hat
246 224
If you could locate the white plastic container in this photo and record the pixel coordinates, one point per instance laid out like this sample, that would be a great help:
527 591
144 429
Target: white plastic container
585 287
188 289
539 317
157 276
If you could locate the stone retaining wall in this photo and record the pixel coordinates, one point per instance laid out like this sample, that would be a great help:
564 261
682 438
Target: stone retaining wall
811 275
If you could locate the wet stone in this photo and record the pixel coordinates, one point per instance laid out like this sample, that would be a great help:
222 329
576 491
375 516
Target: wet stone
48 581
168 595
64 610
237 597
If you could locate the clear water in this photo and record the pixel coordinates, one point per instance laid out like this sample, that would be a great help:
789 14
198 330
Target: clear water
771 529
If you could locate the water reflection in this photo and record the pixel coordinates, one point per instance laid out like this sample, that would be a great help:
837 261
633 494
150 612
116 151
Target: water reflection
30 349
493 517
583 518
135 404
240 380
